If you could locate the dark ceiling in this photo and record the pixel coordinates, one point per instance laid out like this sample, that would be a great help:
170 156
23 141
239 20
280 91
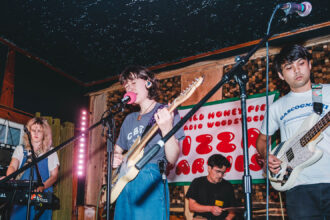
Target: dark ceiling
93 40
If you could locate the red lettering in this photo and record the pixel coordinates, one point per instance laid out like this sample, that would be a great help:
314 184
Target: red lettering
263 107
201 117
186 145
230 159
183 167
249 119
200 126
195 117
223 122
256 162
262 117
198 166
204 147
255 118
230 122
185 128
210 115
226 113
253 134
219 114
217 123
233 112
257 108
250 108
210 124
239 163
224 145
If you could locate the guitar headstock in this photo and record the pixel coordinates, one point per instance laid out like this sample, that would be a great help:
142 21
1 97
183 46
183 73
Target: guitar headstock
185 94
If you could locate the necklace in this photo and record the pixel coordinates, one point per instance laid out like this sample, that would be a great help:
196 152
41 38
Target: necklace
145 111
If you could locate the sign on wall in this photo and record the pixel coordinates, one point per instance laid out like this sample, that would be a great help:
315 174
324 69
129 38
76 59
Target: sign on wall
216 128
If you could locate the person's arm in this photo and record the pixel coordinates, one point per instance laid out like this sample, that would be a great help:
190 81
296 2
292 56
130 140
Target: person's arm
117 157
164 120
13 166
274 162
230 216
196 207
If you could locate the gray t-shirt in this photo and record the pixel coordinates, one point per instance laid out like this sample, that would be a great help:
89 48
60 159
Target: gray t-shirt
131 129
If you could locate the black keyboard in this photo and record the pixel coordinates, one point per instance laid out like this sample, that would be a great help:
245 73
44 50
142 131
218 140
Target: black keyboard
18 184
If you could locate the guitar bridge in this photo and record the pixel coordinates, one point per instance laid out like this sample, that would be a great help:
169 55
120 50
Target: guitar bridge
287 175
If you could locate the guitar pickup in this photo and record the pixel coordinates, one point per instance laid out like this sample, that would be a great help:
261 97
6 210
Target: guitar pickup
289 154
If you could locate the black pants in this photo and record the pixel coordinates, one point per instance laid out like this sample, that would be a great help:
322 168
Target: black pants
310 202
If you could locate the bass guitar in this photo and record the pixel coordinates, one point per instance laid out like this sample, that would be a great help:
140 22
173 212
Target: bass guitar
298 152
127 170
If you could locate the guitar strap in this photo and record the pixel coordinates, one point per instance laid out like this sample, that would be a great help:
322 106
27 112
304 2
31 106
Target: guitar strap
317 98
152 120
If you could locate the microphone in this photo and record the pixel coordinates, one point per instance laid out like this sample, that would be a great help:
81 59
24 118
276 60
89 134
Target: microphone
303 9
129 98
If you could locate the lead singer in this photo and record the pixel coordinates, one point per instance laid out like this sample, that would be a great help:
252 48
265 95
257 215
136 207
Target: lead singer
144 197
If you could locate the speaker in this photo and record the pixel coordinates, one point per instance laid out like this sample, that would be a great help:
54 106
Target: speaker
6 151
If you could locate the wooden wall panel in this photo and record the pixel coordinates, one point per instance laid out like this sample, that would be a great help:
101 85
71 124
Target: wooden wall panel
96 148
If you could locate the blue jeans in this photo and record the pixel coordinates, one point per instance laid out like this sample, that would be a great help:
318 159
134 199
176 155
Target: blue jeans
143 197
309 202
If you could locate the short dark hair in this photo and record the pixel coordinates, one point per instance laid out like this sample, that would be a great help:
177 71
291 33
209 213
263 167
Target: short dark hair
218 160
140 72
289 54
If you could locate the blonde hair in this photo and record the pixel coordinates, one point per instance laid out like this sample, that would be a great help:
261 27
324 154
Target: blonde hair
47 134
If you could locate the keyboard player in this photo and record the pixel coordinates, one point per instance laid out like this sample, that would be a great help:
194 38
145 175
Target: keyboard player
41 139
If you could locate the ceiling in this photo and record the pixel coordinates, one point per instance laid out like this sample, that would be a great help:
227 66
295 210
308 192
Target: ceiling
93 40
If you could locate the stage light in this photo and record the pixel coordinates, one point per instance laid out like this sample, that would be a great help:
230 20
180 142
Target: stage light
81 151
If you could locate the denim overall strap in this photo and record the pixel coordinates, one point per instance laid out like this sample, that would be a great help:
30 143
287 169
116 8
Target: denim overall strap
43 169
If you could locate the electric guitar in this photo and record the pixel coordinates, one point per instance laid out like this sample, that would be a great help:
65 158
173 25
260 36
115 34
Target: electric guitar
127 170
298 152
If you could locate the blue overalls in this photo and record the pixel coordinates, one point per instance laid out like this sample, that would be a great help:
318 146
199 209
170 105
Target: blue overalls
19 211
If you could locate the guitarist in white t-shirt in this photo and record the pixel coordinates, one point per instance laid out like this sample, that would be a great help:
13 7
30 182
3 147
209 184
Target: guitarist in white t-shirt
309 196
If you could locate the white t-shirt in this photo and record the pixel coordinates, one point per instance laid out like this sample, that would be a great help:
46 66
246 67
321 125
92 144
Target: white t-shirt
53 161
287 114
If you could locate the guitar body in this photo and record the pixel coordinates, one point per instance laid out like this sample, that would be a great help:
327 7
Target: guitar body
127 171
295 157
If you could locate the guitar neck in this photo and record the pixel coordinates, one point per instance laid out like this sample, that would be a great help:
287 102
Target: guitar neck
316 129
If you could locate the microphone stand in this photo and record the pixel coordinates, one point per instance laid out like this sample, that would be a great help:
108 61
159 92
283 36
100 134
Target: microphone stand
31 174
110 123
241 78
